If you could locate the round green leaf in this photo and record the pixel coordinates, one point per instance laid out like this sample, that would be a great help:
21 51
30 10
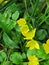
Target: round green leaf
2 56
41 34
16 58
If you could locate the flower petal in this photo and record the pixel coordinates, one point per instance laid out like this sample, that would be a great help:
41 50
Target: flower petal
24 29
32 44
33 60
30 34
21 22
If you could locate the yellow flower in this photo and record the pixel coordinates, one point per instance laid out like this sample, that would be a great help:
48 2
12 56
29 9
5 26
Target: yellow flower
1 1
32 44
46 46
21 22
24 30
47 42
33 60
30 34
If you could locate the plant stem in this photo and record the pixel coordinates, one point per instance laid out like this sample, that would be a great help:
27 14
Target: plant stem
43 20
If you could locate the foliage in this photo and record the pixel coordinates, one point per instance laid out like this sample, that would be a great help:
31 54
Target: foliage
24 32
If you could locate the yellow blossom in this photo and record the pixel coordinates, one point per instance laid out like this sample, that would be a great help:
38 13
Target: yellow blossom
46 46
24 30
1 1
21 22
32 44
33 60
47 42
30 34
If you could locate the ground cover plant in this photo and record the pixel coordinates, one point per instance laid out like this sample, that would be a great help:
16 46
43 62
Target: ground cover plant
24 32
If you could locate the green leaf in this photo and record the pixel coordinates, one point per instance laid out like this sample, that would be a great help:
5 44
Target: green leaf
23 55
26 16
46 62
8 42
17 28
6 63
47 21
39 53
16 58
25 63
10 25
16 36
15 15
3 56
41 34
12 8
6 23
31 52
47 10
